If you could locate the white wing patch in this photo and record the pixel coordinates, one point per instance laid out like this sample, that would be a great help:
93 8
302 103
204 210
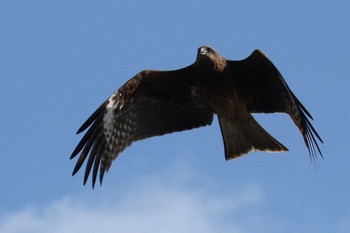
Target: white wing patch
116 101
119 125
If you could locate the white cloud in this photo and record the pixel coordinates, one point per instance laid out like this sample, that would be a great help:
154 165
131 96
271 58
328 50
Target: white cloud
154 207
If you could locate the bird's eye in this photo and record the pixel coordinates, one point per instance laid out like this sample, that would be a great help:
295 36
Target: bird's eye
209 49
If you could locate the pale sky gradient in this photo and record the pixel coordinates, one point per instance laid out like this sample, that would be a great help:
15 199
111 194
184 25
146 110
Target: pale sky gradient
59 60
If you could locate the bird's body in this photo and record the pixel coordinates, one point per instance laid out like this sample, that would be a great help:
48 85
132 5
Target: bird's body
154 103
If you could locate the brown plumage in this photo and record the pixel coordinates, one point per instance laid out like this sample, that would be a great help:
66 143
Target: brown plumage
154 103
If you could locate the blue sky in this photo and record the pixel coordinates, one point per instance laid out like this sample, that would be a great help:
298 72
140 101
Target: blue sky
59 60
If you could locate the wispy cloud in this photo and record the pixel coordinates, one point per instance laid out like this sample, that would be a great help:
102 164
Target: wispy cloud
154 207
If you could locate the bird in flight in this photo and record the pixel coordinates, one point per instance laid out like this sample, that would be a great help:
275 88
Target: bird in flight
154 103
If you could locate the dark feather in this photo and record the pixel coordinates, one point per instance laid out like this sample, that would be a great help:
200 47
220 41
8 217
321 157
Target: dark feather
264 90
151 103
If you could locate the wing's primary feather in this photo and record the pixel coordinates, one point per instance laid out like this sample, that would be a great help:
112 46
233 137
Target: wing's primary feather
263 89
151 103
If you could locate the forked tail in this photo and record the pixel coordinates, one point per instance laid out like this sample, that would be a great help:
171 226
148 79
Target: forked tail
242 135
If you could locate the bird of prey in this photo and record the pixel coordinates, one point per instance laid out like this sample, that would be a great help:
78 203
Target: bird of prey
154 103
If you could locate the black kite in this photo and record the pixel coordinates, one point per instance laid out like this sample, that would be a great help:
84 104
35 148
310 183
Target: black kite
154 103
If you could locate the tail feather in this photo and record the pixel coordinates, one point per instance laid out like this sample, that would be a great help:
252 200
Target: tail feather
243 136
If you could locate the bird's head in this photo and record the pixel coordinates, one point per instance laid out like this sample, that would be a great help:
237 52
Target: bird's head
208 55
205 52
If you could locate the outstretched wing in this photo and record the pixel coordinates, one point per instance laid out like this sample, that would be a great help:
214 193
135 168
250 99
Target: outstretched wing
151 103
263 89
